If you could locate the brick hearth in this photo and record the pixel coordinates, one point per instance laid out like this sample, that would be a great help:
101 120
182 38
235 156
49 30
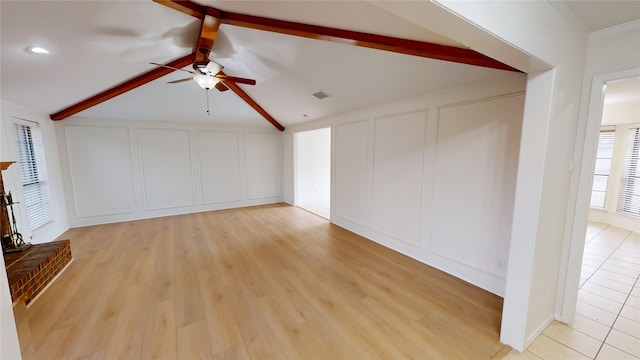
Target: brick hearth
31 270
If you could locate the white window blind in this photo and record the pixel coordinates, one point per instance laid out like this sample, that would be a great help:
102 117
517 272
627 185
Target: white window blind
629 202
34 175
603 168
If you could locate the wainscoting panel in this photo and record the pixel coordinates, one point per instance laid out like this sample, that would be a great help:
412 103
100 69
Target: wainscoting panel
166 168
219 159
351 171
262 165
101 169
474 185
398 162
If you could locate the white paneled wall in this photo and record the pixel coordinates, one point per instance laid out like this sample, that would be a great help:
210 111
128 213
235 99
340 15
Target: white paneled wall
112 191
352 186
119 171
262 164
398 157
219 160
166 168
474 182
433 177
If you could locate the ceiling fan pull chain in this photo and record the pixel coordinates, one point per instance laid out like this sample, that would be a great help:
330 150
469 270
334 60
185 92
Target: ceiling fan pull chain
207 95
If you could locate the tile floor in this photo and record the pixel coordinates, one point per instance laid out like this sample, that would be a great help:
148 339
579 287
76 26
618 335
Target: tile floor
607 324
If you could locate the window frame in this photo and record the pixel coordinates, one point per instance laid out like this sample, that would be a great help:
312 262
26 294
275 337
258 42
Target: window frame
29 146
630 178
611 138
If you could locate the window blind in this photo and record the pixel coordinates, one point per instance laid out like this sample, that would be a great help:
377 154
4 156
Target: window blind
603 168
629 201
34 175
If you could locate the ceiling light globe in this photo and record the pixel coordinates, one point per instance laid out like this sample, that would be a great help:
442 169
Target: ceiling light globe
205 81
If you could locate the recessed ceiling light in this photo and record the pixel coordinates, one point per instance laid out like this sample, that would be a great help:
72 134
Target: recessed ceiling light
38 50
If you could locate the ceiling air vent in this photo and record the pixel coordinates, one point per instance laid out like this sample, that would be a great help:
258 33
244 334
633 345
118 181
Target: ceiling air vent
321 95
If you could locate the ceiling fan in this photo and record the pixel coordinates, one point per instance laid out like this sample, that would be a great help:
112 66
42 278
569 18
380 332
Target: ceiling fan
208 75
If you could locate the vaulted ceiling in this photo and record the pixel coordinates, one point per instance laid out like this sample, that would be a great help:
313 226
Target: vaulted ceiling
96 45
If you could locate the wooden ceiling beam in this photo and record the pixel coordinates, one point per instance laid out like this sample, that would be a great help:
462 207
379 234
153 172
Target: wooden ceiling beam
185 7
379 42
122 88
236 89
208 35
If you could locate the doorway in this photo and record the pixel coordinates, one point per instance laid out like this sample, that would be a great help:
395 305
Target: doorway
312 164
615 196
586 182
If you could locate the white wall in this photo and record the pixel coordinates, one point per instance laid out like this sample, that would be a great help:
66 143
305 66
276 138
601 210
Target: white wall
524 35
12 177
120 171
621 113
313 165
433 177
9 345
544 40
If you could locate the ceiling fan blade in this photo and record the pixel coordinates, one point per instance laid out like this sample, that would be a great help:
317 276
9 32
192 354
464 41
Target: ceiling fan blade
221 87
234 79
179 81
174 68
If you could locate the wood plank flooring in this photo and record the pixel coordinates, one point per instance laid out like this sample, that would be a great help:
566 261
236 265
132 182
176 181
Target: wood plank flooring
265 282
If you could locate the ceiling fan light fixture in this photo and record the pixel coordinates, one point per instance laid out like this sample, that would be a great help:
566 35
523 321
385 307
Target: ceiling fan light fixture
205 81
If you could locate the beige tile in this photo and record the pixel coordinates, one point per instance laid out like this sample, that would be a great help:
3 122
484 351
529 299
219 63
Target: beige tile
516 355
627 326
624 342
599 301
625 279
611 284
594 229
619 269
574 339
605 292
624 264
594 255
633 301
587 271
608 352
625 255
590 327
635 291
595 313
547 348
630 313
591 262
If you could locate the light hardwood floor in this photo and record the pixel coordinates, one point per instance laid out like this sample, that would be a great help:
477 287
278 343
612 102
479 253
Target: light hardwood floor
266 282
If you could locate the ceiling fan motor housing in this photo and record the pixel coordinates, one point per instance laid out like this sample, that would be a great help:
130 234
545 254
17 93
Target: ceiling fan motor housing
200 66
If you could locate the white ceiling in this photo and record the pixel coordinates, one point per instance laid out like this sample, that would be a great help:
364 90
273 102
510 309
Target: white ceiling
598 15
97 44
623 91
